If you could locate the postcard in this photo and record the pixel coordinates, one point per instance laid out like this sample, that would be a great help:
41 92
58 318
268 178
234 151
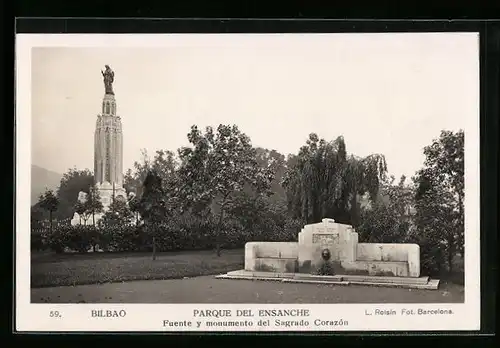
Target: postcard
243 182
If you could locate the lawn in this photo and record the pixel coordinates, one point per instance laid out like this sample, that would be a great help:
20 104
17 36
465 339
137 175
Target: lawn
185 277
49 269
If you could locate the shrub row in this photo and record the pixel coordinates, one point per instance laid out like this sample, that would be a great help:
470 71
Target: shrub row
179 235
169 236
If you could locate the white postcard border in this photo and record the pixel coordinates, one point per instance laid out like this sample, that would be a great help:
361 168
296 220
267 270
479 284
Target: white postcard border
146 317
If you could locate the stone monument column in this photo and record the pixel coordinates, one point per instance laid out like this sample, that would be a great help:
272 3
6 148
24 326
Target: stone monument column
108 148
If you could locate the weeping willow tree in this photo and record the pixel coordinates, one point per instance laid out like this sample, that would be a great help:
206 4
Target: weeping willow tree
325 182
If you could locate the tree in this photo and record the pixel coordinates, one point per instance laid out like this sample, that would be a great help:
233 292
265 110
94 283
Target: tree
275 162
322 181
152 206
49 202
134 205
218 165
440 194
163 163
37 217
388 219
434 228
133 179
93 204
118 214
400 196
80 209
72 183
262 212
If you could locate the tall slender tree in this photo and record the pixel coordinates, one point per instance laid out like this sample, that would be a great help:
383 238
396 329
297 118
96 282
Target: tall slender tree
80 209
134 205
49 202
93 204
152 206
440 194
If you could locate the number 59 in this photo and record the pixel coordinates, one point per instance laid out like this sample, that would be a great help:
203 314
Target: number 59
54 314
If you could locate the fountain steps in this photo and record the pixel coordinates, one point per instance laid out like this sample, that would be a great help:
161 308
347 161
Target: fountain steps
404 282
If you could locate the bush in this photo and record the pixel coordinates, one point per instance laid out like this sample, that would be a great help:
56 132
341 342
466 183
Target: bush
383 225
38 240
326 269
432 253
122 238
178 233
72 237
190 233
57 240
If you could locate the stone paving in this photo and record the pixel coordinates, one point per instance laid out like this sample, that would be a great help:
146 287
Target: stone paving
207 289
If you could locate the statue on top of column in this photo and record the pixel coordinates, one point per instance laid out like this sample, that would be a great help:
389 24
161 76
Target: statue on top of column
109 77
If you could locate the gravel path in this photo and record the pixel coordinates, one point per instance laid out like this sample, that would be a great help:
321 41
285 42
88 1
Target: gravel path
207 289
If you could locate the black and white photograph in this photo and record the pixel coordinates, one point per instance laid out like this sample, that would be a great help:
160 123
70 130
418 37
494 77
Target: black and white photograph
257 170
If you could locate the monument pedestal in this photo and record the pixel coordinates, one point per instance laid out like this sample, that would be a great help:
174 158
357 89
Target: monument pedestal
107 193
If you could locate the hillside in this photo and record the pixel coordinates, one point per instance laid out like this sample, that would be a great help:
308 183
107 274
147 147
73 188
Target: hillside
42 179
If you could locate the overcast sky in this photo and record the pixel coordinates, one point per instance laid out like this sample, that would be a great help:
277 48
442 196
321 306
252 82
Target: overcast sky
389 94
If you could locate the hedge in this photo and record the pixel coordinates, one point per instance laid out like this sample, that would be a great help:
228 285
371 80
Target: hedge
169 236
189 235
